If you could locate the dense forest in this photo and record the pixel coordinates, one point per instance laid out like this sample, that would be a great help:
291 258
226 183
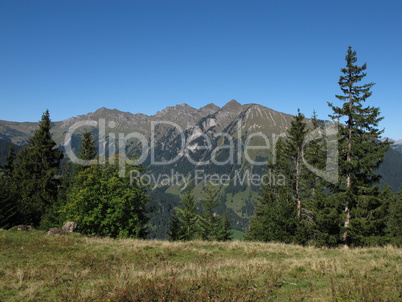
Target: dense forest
348 206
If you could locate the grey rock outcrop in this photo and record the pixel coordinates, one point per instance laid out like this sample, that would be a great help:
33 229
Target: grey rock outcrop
69 226
22 227
56 231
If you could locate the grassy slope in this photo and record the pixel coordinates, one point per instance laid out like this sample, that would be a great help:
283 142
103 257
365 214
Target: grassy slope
37 267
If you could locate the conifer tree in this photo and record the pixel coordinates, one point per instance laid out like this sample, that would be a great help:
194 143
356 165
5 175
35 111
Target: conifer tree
394 225
294 154
299 177
174 227
187 217
213 226
327 210
209 219
5 203
9 215
314 153
297 210
88 147
35 173
323 213
8 168
360 148
87 150
186 223
275 216
55 216
287 207
224 232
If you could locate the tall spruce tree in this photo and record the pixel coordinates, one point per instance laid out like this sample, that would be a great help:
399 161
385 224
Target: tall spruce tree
323 212
299 177
35 173
360 150
297 210
294 153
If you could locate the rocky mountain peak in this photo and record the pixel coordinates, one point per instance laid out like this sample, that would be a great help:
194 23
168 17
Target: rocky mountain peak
102 109
211 106
178 109
209 109
233 105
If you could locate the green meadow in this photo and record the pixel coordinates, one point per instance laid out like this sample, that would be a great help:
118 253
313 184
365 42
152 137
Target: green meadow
35 266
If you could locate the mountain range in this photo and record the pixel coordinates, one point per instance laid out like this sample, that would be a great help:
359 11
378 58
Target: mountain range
397 145
183 147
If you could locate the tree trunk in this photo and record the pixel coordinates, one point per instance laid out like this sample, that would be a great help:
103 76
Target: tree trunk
348 177
298 172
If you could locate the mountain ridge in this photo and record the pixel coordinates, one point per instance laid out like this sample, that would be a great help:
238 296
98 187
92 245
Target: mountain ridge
208 133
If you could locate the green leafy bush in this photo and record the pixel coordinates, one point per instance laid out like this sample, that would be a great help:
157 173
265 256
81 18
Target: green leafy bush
104 204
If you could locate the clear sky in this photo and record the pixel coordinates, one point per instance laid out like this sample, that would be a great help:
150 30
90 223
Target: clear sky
75 56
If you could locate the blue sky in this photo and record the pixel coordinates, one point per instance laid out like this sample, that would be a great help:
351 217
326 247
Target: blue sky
73 57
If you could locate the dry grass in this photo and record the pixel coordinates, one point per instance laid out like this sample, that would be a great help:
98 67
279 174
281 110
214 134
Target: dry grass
37 267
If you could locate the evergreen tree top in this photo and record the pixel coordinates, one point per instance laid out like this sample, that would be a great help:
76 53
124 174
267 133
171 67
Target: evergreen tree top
88 147
351 75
